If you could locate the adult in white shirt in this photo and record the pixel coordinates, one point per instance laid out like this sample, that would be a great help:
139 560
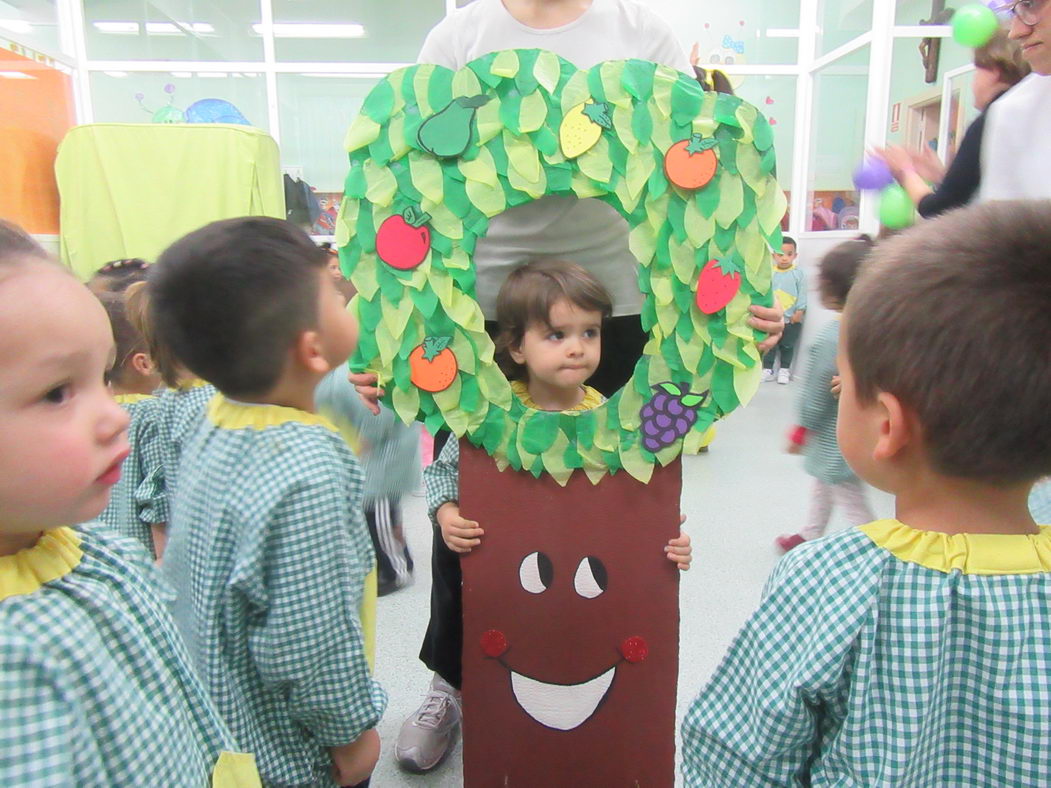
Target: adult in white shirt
1016 153
588 232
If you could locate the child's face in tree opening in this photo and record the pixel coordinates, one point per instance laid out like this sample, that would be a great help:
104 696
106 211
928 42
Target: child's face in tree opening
787 256
62 437
565 352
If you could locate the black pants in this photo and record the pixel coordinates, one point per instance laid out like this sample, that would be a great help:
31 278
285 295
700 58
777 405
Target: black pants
786 346
622 342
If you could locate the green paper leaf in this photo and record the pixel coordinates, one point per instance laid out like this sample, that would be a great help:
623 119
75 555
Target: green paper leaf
381 184
595 163
762 133
642 241
362 132
379 104
465 83
406 403
505 64
622 124
481 168
731 201
489 200
771 209
532 112
637 465
547 70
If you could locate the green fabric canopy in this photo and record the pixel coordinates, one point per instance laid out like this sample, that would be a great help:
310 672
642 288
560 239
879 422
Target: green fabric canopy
130 189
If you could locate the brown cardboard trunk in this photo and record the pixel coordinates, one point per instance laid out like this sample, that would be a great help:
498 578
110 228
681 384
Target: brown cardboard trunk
560 637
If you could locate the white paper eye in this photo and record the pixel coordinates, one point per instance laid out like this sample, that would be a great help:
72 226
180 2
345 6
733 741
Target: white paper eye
535 573
590 579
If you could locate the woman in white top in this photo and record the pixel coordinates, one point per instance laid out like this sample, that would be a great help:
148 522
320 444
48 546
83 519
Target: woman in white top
1016 155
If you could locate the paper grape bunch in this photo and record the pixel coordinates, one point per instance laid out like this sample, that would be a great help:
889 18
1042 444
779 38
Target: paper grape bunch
669 415
436 155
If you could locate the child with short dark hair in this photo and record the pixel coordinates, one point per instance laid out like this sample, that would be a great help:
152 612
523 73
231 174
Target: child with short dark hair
790 288
550 315
178 409
914 651
96 687
267 546
132 381
815 437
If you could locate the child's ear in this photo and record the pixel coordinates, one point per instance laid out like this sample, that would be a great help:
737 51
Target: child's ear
142 364
898 428
515 352
309 352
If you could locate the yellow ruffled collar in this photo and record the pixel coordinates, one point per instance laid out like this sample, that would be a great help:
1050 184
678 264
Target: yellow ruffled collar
592 397
779 270
233 415
194 383
128 399
55 555
971 554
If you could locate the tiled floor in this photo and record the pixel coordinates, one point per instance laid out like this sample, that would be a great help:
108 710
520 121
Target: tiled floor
737 498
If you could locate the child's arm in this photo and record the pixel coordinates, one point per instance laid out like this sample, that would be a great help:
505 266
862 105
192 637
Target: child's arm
758 721
442 481
801 300
353 763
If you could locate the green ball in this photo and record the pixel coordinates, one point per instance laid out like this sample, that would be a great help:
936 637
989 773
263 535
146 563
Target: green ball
973 25
896 210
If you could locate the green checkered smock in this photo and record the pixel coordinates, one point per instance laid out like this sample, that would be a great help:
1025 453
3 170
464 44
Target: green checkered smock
887 656
177 414
96 688
139 489
819 410
268 551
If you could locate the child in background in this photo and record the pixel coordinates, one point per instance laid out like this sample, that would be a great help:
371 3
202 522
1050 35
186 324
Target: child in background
118 275
177 412
390 453
132 380
268 551
790 287
815 436
914 651
96 688
550 317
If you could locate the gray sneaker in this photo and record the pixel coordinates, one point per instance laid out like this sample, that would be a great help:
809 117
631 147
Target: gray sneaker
430 733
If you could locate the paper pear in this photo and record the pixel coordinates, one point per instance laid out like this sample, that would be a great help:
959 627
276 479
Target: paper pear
447 134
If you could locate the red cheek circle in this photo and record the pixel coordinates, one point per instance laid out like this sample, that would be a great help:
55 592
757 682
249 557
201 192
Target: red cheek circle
634 649
494 643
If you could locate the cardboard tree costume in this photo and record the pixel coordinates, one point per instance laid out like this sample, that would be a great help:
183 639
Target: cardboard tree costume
570 608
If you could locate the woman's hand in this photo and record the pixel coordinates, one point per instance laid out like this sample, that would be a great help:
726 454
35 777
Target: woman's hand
370 393
770 319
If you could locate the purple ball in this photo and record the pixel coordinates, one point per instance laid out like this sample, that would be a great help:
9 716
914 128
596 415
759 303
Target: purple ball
873 174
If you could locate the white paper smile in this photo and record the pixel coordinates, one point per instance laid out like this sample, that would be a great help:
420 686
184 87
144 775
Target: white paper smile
560 706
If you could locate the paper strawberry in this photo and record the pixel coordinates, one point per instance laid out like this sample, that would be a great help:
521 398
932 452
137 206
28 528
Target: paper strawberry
402 242
718 283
